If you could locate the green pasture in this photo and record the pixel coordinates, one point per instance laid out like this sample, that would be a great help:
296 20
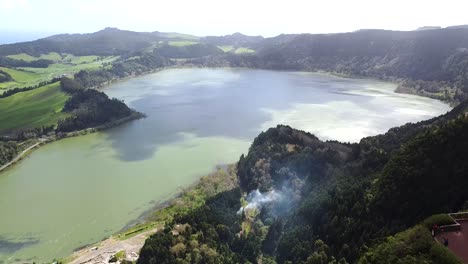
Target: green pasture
35 108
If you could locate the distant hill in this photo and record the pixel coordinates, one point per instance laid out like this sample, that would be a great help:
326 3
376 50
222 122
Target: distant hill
109 41
428 28
236 39
459 26
188 51
430 61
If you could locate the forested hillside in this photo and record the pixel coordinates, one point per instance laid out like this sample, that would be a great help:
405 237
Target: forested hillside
431 63
109 41
328 202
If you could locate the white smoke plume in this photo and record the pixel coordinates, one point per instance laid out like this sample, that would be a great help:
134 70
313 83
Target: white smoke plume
256 199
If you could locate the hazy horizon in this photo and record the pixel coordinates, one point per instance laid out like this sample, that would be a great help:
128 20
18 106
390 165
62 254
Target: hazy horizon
208 17
9 37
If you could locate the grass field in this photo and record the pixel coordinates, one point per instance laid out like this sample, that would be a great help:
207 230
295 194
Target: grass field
22 78
182 43
65 68
69 58
36 108
23 56
178 35
69 65
54 56
226 48
244 50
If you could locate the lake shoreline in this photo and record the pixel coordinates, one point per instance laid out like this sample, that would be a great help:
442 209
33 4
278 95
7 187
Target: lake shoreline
223 176
47 140
162 203
141 221
398 82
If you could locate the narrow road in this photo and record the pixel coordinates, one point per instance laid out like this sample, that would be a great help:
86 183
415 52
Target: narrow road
19 156
104 251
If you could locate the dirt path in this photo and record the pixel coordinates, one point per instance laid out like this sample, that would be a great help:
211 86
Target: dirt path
19 156
102 252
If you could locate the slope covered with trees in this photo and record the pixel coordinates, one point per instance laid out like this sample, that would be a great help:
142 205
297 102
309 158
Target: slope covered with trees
188 51
431 63
5 77
110 41
89 108
337 202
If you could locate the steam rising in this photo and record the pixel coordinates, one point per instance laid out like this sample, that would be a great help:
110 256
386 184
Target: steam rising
256 199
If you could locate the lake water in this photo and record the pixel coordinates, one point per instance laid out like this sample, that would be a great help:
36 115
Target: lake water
79 190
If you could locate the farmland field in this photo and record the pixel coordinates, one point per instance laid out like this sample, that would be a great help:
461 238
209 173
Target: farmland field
182 43
178 35
68 65
64 68
226 48
53 56
244 50
21 78
35 108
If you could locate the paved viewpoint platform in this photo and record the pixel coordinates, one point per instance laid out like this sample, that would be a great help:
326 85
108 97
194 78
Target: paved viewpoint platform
458 240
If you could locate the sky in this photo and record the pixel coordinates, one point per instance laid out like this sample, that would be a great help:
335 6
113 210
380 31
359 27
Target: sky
222 17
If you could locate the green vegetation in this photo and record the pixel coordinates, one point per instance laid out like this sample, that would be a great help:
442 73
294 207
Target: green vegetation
21 78
341 202
8 151
118 256
53 56
178 35
194 197
182 43
5 77
414 245
56 57
438 219
31 109
188 51
231 48
363 202
69 58
58 69
22 56
89 108
27 76
244 50
226 48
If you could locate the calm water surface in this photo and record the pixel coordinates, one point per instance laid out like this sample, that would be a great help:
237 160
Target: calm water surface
78 190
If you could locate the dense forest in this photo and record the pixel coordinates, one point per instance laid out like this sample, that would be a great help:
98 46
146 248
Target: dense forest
8 150
432 63
299 200
236 39
109 41
131 65
329 202
9 62
5 77
189 51
89 107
